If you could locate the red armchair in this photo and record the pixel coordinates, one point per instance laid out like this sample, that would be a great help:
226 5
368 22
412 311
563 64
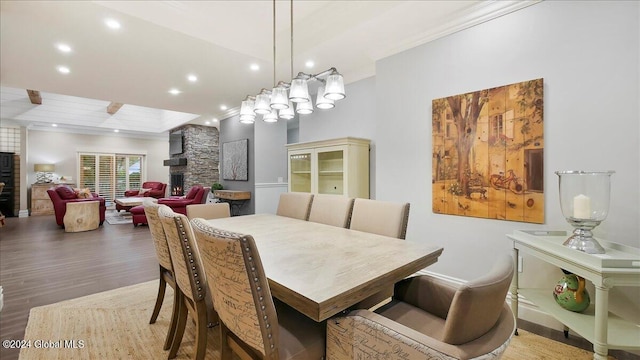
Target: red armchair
157 190
63 194
196 195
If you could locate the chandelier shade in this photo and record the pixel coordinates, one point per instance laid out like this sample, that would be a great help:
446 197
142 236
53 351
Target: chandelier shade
247 119
272 116
322 102
247 107
304 108
299 92
288 113
334 89
263 104
279 98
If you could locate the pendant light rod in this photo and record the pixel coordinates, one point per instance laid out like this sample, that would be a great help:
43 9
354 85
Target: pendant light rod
271 101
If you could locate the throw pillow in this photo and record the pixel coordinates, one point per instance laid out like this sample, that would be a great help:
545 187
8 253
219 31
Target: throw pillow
85 194
66 193
143 192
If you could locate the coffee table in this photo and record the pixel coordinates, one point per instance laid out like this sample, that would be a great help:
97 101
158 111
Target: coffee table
127 203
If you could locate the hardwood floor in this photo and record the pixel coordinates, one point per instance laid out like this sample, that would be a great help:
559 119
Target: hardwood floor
40 264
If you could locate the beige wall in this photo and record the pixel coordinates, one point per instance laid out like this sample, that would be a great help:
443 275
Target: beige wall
61 149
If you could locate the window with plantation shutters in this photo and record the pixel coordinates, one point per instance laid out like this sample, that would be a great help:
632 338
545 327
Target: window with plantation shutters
110 175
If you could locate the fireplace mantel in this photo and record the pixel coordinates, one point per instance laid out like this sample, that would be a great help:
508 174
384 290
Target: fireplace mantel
175 162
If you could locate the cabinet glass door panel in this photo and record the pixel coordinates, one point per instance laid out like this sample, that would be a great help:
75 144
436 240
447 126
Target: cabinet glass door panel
300 176
331 172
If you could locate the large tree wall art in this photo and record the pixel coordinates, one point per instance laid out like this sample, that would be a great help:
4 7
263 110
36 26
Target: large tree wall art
488 152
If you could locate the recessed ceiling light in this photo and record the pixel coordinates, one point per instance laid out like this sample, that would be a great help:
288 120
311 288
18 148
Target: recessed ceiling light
116 130
63 70
54 125
214 120
112 24
223 107
254 67
174 91
309 64
64 48
207 123
192 78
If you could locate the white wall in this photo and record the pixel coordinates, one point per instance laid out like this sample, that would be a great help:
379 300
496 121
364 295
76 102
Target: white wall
49 147
271 164
587 53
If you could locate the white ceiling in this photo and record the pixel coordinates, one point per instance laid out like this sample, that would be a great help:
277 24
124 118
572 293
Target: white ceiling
160 42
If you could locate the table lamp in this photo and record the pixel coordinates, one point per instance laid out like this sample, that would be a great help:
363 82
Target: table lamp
43 172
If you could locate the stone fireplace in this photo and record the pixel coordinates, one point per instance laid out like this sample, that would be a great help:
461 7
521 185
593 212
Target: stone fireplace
199 162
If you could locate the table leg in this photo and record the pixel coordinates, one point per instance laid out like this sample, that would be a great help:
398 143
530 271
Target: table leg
600 347
514 288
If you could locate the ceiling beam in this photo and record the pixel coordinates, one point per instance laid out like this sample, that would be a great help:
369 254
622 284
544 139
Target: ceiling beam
114 107
34 97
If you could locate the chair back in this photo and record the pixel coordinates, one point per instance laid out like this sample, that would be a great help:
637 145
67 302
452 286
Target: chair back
208 211
193 193
157 233
205 195
239 287
380 217
185 256
154 185
477 305
332 210
295 205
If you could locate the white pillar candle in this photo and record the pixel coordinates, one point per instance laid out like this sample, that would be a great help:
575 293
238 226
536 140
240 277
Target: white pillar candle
581 207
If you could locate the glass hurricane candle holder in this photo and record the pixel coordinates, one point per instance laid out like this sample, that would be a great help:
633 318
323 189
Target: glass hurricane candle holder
584 200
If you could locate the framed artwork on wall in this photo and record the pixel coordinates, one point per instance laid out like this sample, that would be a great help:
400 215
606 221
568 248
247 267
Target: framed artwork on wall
488 150
235 160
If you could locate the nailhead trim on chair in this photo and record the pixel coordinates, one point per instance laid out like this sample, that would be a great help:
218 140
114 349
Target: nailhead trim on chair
259 288
199 293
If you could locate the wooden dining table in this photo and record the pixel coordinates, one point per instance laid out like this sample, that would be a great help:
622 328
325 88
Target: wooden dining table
321 270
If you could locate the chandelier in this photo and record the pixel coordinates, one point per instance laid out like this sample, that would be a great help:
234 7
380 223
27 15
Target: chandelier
279 101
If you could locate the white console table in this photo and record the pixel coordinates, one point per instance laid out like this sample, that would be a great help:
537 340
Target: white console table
619 266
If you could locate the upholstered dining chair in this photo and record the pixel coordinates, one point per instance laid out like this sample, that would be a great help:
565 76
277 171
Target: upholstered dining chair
380 217
208 211
191 281
383 218
166 268
253 325
331 210
432 318
295 205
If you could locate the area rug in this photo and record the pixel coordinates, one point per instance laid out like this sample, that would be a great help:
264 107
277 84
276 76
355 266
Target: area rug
115 325
109 325
116 218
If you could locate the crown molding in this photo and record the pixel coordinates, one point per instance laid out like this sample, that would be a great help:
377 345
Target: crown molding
472 16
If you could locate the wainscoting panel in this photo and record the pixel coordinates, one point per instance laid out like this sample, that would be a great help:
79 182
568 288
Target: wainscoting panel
267 196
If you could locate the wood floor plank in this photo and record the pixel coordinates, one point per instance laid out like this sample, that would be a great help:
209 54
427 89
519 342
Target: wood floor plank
41 264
